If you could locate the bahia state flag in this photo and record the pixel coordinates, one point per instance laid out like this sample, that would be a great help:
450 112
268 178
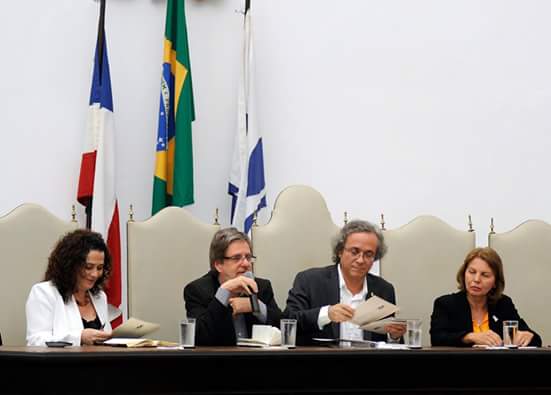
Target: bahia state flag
96 185
247 186
173 180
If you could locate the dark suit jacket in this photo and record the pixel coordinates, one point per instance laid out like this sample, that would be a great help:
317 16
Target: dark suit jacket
451 319
214 325
318 287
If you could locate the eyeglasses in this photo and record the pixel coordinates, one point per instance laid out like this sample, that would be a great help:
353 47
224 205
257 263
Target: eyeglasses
356 253
239 258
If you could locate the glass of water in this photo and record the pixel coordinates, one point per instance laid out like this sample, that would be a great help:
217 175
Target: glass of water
510 329
288 333
187 333
414 333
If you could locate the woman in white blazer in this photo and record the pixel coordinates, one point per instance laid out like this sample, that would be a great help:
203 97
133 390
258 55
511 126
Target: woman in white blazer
70 304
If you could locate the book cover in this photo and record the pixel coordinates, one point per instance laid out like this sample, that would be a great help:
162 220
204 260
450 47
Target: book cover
133 328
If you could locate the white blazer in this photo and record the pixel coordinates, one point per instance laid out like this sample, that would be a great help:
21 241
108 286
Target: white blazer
50 319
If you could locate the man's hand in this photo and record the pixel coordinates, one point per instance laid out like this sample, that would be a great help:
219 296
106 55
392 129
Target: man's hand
395 330
240 305
241 284
340 312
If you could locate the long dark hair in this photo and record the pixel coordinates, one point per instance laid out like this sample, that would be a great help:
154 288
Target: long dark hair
69 257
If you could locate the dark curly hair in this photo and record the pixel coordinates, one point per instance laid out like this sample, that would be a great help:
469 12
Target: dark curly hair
69 257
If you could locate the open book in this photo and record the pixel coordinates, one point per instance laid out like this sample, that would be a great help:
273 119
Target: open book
371 315
132 342
263 336
133 328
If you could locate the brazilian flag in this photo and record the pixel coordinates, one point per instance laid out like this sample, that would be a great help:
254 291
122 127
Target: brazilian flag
173 181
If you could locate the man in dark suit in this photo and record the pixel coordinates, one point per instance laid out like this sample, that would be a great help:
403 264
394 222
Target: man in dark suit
221 300
323 299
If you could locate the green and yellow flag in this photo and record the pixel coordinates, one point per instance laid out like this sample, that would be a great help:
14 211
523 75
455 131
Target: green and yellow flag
173 181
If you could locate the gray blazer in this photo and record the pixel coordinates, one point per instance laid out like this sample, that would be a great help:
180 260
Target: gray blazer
318 287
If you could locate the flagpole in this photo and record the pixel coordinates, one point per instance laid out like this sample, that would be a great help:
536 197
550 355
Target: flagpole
101 30
247 5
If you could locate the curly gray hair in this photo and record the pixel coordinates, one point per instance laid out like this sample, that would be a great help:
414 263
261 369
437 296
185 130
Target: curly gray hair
358 226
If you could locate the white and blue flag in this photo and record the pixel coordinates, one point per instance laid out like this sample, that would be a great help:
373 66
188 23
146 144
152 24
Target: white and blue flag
247 185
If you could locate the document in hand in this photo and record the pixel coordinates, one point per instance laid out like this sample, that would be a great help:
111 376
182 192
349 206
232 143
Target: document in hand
379 326
372 310
133 328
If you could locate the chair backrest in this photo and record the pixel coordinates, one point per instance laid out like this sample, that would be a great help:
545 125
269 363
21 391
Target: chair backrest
422 262
297 237
526 255
165 252
27 236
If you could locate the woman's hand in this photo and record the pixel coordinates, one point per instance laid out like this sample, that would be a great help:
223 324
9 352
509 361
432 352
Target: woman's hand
90 336
523 338
488 338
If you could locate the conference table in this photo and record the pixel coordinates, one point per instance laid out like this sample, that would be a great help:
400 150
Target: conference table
236 370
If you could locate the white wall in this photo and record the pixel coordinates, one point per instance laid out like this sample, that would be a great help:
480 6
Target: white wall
405 107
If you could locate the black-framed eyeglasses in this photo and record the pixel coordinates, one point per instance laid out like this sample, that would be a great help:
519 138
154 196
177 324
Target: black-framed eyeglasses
239 258
356 252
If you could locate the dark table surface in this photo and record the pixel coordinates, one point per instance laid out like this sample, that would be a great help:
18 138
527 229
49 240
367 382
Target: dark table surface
214 370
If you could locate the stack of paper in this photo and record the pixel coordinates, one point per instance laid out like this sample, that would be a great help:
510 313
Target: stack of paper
263 336
133 342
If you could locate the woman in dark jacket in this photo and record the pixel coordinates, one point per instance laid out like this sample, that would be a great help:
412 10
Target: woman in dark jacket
475 314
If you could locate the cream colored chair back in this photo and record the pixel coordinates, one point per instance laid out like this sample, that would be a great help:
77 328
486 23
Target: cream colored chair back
526 255
422 262
297 237
27 236
165 252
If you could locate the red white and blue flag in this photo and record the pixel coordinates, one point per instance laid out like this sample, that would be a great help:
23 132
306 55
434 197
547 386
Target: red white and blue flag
96 186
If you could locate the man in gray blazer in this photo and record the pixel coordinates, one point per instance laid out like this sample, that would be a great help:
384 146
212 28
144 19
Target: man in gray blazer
323 299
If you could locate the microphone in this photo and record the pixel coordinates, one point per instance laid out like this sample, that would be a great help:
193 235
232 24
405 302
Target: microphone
253 297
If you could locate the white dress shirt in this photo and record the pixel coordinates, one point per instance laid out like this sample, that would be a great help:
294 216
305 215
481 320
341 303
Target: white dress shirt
348 330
